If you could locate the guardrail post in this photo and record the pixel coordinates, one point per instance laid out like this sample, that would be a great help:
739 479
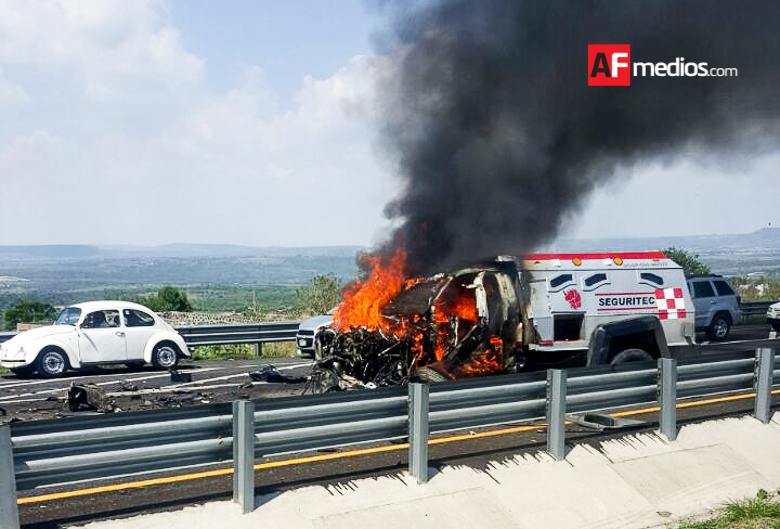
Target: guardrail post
9 514
765 365
244 454
556 413
418 432
259 349
667 397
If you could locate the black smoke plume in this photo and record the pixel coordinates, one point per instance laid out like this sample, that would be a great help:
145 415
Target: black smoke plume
498 138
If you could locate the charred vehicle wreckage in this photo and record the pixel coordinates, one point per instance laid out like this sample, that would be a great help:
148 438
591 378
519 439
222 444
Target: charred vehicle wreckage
507 315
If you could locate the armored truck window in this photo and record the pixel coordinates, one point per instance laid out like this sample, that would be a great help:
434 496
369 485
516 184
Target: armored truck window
702 289
723 288
560 280
652 278
595 279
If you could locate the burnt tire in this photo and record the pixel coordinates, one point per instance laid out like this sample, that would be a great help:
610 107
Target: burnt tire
630 355
428 376
165 356
719 328
25 371
52 363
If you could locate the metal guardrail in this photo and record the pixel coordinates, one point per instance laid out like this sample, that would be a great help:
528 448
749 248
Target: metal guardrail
254 333
59 451
751 308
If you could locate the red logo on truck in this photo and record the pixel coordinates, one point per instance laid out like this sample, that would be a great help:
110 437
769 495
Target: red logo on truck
573 297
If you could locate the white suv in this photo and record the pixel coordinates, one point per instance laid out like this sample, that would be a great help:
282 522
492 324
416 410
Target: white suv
97 332
716 304
773 316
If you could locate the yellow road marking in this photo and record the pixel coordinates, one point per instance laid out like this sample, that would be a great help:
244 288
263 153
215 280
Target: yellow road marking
351 453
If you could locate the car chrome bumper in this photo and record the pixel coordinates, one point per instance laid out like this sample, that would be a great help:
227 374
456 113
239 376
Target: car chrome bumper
12 364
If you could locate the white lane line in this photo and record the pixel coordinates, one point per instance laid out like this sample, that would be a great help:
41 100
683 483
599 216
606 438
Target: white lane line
148 377
237 375
81 377
25 400
156 391
190 391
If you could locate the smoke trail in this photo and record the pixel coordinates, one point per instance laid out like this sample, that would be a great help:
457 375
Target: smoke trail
498 137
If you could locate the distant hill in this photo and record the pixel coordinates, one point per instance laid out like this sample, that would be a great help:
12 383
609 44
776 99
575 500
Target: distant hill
54 251
170 250
766 238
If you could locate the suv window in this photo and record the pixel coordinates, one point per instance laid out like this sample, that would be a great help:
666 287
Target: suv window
137 318
101 319
723 288
702 289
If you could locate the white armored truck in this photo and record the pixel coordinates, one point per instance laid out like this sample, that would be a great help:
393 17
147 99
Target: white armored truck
530 313
605 308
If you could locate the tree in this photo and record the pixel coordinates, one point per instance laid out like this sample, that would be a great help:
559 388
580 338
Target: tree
321 295
168 299
29 312
688 260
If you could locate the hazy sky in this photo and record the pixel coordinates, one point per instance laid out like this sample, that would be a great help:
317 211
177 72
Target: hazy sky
151 122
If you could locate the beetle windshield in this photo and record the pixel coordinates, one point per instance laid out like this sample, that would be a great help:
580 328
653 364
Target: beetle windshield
69 316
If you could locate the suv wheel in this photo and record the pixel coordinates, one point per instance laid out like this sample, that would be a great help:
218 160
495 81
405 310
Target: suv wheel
165 356
51 363
630 355
719 328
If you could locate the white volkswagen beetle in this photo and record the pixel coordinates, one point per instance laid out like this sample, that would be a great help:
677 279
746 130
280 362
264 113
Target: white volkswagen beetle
92 333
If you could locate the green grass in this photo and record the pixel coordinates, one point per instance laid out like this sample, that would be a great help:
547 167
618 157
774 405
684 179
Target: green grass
761 512
243 352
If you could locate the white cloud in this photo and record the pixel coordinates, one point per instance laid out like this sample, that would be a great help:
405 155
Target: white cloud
11 94
113 48
117 152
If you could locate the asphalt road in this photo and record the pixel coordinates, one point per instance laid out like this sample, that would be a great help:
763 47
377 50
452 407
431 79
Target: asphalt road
146 388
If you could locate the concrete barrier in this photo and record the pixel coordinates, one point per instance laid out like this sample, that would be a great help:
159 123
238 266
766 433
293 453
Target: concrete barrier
637 481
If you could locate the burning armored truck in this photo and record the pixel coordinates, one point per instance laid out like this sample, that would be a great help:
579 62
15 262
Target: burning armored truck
507 315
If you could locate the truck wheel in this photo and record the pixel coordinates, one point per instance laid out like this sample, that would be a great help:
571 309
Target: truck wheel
165 356
719 328
428 375
51 363
630 355
776 326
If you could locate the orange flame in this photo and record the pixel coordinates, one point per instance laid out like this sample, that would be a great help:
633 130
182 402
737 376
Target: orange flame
488 362
363 300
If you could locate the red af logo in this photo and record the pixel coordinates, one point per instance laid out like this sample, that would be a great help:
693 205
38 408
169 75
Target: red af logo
609 65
